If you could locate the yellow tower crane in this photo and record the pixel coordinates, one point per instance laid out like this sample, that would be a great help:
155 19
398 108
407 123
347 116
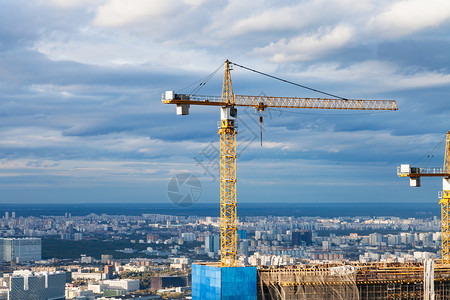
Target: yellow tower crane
227 132
415 174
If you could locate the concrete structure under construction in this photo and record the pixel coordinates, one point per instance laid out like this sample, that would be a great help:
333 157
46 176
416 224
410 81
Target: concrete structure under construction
350 281
370 281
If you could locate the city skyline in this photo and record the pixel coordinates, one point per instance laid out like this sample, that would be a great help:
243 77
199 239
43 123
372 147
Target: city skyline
82 118
151 254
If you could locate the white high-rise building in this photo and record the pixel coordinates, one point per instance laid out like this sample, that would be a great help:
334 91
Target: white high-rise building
20 249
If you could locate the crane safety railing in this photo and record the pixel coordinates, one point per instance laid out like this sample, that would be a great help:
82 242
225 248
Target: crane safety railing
418 171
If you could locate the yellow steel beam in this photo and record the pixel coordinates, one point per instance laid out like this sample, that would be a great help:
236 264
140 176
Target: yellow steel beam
228 223
445 228
423 174
227 88
445 222
228 218
447 154
263 102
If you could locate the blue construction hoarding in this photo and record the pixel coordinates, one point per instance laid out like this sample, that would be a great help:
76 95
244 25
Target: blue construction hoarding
216 283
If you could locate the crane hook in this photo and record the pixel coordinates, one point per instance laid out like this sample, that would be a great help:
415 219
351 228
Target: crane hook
260 127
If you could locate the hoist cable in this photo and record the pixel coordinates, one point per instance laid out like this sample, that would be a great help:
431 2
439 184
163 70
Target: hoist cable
202 82
425 160
205 81
290 82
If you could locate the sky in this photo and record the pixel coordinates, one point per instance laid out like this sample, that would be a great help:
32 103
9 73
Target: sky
81 118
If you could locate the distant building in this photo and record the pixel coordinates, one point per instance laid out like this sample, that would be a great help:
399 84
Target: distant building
188 236
97 288
375 239
151 238
242 234
179 262
300 236
212 243
162 282
88 276
109 271
66 236
30 285
129 285
243 247
78 236
106 258
20 249
326 245
78 293
112 293
86 259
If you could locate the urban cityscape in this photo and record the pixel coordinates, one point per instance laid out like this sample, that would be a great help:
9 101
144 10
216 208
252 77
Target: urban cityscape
101 256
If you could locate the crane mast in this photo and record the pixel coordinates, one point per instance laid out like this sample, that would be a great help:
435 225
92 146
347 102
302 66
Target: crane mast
228 216
445 200
227 133
415 174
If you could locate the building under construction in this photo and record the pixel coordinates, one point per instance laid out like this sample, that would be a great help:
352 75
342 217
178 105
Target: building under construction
355 281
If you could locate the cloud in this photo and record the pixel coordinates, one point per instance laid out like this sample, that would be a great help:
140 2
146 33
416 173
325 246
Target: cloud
375 76
117 13
84 172
290 18
71 4
406 17
80 86
272 19
307 47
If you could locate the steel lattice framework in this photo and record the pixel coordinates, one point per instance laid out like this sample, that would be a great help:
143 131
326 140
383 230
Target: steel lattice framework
447 154
228 215
227 133
445 227
228 219
445 200
262 102
415 173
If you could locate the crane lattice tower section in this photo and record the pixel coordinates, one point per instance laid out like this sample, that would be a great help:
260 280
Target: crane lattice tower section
228 215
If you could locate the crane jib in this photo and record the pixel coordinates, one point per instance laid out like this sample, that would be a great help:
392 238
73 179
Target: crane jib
262 102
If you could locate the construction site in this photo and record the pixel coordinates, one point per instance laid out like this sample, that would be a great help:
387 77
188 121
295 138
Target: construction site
350 280
428 280
356 281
